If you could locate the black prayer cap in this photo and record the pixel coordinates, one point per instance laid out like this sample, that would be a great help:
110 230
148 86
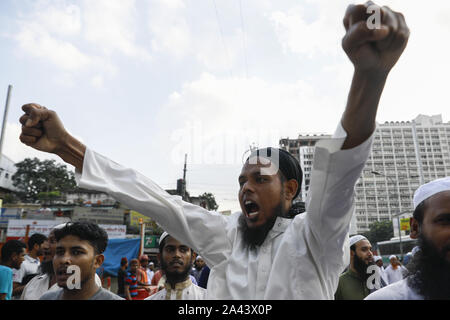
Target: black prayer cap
287 163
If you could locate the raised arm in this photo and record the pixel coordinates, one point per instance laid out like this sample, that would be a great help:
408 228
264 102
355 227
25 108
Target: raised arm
43 130
373 53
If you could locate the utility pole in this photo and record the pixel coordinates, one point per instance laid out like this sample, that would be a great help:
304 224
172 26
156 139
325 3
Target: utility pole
5 119
183 194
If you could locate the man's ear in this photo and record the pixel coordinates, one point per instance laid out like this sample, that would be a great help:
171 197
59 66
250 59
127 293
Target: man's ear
290 189
98 260
193 256
414 228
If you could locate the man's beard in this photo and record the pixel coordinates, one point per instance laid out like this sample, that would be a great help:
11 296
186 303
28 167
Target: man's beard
175 277
361 267
429 271
253 237
47 267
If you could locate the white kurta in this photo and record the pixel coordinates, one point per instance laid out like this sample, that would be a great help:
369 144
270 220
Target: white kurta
394 275
301 258
396 291
182 291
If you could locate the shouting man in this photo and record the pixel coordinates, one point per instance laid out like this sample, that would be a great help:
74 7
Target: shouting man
269 250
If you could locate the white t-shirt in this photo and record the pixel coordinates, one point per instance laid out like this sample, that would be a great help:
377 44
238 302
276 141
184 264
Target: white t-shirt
28 266
396 291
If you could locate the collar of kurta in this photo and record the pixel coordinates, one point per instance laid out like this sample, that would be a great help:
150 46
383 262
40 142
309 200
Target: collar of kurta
179 287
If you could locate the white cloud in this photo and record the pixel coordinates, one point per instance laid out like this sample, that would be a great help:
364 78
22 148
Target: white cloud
111 25
300 34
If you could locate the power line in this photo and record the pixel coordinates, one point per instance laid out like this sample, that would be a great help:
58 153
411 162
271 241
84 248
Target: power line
222 37
243 38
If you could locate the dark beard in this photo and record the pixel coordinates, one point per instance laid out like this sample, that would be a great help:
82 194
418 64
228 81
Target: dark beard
361 267
253 237
47 267
429 271
175 277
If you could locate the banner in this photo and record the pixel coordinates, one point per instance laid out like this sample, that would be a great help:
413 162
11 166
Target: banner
151 242
404 224
135 216
17 228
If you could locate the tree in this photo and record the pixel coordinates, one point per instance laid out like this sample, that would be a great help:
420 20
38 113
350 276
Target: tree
380 231
42 180
208 201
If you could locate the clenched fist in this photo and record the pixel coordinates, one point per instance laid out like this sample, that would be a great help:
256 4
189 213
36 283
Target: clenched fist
377 49
43 130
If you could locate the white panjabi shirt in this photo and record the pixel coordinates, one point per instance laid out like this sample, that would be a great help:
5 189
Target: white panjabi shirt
396 291
301 258
183 291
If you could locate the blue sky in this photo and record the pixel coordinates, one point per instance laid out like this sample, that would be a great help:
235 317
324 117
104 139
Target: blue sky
145 81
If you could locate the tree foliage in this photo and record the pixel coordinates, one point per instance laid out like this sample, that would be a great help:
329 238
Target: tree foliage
42 180
208 201
380 231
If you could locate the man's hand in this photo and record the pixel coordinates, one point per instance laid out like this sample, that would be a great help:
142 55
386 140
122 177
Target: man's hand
43 130
374 50
373 53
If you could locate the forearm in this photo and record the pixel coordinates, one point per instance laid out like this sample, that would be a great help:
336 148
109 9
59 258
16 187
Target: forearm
72 152
360 114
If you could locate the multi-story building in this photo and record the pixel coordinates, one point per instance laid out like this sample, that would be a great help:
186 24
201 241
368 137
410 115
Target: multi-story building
404 155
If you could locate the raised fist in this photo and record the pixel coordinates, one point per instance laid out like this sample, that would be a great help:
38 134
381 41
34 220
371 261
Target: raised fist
372 47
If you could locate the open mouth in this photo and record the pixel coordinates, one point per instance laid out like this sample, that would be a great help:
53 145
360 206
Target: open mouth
251 208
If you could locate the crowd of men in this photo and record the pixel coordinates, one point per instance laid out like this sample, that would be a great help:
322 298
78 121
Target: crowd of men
275 247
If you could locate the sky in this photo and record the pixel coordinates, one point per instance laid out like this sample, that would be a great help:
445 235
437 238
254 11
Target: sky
145 82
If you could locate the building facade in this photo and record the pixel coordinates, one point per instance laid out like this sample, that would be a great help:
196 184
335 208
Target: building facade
404 155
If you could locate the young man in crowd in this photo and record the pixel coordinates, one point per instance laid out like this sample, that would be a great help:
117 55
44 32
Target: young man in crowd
46 280
13 255
131 284
176 261
353 283
379 262
268 245
31 264
121 275
79 247
428 274
395 271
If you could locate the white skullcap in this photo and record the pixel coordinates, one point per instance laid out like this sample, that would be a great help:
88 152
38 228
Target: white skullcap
376 258
414 250
392 256
429 189
163 236
198 257
356 239
60 226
